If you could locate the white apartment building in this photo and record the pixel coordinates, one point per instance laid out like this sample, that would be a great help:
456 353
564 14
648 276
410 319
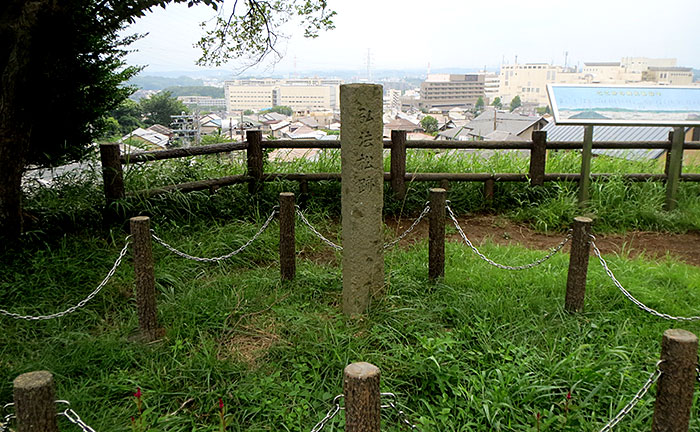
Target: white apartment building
529 80
299 94
451 90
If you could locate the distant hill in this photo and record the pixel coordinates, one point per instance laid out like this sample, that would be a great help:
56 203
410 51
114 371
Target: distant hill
214 92
159 83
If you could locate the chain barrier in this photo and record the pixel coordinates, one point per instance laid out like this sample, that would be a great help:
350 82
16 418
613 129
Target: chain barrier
82 302
73 417
629 296
336 408
391 403
315 231
415 223
7 418
502 266
222 257
68 413
640 394
388 245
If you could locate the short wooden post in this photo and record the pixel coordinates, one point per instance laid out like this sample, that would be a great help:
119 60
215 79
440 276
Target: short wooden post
436 233
445 184
668 154
586 155
398 163
538 157
489 186
112 173
674 167
362 398
287 240
255 159
144 277
578 265
674 391
34 397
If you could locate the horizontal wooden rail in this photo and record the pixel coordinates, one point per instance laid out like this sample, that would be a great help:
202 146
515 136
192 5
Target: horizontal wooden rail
412 144
415 177
182 152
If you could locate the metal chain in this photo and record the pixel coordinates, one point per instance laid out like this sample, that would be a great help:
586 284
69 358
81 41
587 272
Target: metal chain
80 303
5 423
629 296
315 231
220 258
502 266
402 416
73 417
640 394
425 211
335 409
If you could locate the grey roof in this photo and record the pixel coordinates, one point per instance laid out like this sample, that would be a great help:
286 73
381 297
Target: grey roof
457 133
613 133
508 122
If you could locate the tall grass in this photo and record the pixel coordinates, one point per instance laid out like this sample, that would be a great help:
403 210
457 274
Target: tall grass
616 204
483 350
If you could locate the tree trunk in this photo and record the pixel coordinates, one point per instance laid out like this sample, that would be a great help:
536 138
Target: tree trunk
18 22
11 169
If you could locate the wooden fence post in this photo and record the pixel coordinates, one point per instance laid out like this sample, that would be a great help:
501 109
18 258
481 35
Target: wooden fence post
112 174
398 163
144 278
674 391
538 157
674 167
362 398
287 239
489 186
436 250
578 265
255 159
35 407
586 155
668 154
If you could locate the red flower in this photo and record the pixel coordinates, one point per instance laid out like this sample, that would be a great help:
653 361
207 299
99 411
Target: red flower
137 395
568 396
221 404
539 416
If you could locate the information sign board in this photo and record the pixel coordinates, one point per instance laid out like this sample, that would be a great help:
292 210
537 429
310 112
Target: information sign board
624 105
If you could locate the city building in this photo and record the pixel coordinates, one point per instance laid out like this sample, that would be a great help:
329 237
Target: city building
677 76
299 94
529 81
203 101
444 91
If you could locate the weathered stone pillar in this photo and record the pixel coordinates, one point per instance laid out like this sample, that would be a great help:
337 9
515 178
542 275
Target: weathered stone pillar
362 183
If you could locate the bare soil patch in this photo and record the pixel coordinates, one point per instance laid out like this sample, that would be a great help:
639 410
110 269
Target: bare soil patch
502 231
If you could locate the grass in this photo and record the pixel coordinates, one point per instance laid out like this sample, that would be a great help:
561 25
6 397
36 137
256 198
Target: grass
485 349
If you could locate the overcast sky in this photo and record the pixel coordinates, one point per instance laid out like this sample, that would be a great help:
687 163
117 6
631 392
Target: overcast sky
449 33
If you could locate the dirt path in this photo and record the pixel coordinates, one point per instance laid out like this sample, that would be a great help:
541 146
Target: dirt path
499 230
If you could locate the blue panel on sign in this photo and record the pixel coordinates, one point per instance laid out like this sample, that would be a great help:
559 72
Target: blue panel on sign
625 105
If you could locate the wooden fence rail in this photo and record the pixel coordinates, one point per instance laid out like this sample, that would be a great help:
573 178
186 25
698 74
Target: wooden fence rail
36 408
112 163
